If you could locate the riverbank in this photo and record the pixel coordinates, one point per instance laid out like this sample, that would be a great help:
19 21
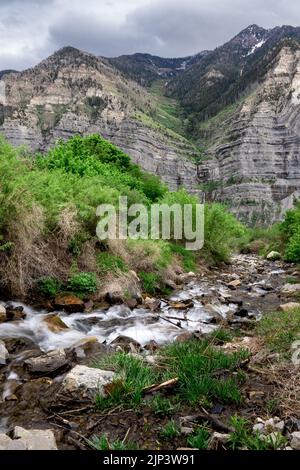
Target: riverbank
214 316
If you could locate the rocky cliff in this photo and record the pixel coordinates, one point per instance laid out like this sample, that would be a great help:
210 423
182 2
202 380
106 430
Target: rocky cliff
73 92
253 161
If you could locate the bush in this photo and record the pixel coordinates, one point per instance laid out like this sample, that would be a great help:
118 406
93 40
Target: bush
290 229
83 283
49 286
109 263
150 282
222 233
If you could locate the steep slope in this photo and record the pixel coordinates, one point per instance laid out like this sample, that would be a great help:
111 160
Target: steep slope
253 162
145 68
221 76
73 92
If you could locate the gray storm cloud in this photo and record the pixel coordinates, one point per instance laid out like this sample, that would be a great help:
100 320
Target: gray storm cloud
32 29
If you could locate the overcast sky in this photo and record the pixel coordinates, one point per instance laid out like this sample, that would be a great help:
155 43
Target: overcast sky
30 30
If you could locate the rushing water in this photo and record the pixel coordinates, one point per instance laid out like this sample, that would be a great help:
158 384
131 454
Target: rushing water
106 325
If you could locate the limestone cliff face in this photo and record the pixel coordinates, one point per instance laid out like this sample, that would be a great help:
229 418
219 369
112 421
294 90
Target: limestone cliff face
73 92
255 159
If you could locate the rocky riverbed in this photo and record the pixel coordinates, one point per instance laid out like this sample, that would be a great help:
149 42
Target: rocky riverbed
46 382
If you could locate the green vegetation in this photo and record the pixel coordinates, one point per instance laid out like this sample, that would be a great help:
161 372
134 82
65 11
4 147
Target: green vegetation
162 406
48 220
243 437
150 282
194 363
200 439
83 283
49 286
109 263
103 443
279 330
283 237
170 430
291 234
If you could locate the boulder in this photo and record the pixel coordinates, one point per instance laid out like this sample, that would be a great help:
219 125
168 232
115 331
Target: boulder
4 441
87 346
70 303
125 343
273 256
50 362
33 439
86 382
2 314
55 323
3 353
295 441
36 439
289 306
234 284
171 284
290 289
218 440
151 304
15 313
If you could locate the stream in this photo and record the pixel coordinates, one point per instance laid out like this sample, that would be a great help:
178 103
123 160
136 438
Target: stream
238 293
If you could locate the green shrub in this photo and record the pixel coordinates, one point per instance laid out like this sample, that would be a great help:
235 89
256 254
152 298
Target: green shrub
222 233
150 282
290 229
83 283
109 263
49 286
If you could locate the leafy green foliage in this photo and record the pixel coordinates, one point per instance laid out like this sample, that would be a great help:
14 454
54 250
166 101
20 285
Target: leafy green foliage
223 233
93 156
83 283
49 286
291 231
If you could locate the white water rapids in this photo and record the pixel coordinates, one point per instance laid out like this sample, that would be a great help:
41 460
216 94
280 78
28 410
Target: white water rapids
139 324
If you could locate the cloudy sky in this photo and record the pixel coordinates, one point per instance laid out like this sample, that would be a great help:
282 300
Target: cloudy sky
30 30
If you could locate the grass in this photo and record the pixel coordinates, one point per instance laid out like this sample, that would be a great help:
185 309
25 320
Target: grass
150 282
170 430
200 439
133 375
195 363
279 330
109 263
103 443
243 437
162 406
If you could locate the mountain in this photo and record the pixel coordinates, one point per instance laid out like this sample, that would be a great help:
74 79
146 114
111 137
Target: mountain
145 68
73 92
252 159
239 103
222 75
5 72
